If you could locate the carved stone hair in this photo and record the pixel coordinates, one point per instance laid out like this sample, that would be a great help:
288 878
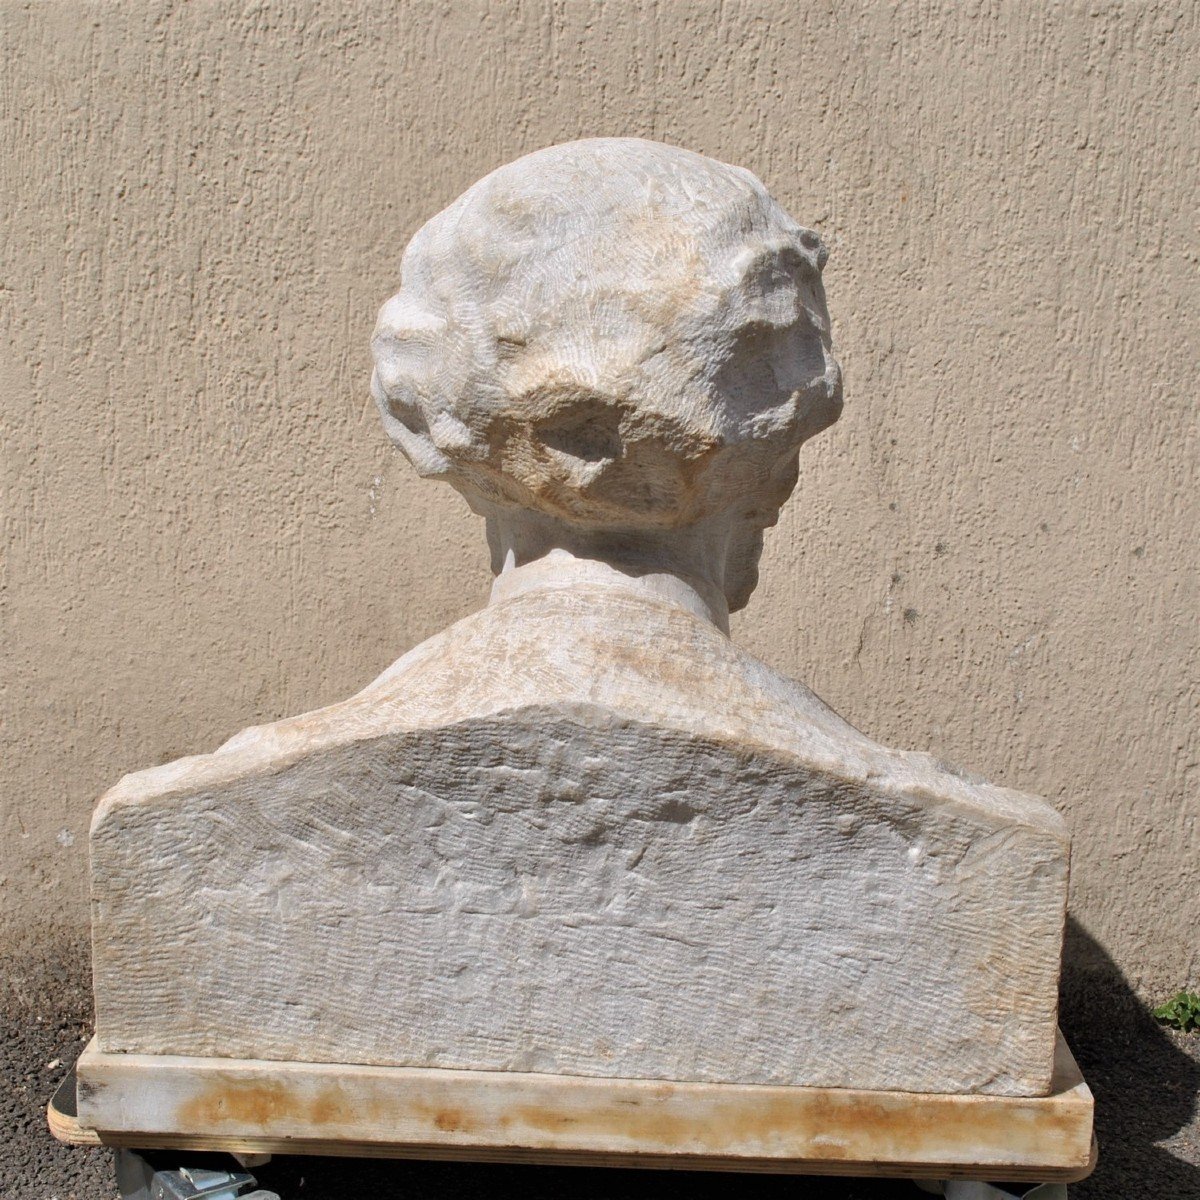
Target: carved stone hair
615 333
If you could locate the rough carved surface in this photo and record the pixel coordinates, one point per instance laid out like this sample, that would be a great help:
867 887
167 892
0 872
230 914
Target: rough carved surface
628 850
581 832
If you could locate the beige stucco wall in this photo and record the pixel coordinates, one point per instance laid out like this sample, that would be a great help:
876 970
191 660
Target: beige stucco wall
992 556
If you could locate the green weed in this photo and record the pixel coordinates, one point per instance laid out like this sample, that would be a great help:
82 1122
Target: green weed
1182 1011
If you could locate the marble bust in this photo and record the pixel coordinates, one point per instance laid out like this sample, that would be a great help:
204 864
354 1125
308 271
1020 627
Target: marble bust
580 831
615 349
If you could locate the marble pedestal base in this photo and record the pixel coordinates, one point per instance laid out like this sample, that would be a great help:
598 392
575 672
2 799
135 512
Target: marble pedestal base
164 1101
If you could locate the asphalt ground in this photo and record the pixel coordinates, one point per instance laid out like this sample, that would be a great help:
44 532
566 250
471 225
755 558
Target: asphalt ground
1145 1078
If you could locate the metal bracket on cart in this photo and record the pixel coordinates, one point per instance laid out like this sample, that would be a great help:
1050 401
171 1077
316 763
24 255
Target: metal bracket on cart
139 1178
969 1189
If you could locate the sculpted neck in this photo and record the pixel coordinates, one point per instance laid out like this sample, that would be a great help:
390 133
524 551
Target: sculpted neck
532 555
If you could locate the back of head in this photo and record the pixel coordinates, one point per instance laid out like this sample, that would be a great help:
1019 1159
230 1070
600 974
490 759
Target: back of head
616 334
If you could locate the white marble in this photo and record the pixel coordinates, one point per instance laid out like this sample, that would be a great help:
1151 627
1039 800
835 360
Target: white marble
581 832
613 339
146 1100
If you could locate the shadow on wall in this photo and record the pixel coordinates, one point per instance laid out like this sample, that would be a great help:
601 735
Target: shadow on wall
1145 1084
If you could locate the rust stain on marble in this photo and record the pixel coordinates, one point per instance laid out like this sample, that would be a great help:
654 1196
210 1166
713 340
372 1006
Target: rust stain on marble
830 1127
264 1105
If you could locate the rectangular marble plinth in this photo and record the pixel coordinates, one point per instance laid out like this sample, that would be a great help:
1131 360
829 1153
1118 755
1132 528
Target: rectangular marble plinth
151 1101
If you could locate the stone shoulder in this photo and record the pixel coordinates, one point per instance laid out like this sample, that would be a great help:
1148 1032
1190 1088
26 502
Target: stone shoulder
586 650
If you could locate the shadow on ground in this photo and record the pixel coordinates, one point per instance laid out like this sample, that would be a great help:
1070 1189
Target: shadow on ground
1145 1079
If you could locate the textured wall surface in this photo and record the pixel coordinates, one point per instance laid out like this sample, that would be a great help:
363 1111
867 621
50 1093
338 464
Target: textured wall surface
992 556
